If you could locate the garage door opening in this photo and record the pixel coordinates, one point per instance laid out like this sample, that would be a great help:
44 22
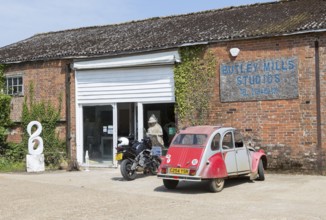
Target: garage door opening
98 134
165 115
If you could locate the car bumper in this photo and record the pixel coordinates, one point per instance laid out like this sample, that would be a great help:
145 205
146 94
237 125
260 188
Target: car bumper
180 177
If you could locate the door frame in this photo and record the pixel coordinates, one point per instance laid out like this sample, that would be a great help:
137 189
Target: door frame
80 132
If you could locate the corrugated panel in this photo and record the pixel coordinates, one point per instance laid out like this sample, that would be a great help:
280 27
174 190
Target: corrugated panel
145 84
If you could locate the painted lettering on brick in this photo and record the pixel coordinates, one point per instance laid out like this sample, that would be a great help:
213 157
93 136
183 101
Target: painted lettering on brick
259 80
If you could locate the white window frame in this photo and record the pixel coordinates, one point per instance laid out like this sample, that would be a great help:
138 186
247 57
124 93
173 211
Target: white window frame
10 90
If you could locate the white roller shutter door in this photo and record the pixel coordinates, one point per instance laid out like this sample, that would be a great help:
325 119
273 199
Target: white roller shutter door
138 84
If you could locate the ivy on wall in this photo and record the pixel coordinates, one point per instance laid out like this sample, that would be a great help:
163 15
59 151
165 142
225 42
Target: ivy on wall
2 78
5 121
194 83
48 116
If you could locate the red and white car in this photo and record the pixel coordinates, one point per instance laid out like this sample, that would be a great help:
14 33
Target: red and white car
210 153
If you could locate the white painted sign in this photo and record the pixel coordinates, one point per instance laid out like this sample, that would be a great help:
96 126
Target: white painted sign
110 129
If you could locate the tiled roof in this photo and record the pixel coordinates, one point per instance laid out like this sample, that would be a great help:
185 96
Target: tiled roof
249 21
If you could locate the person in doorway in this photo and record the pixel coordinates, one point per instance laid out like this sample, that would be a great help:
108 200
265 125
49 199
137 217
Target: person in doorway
155 131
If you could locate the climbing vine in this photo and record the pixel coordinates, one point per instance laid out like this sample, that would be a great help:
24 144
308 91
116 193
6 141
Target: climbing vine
48 116
194 84
5 121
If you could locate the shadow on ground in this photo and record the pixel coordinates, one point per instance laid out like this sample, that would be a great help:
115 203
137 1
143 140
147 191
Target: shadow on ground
202 187
139 176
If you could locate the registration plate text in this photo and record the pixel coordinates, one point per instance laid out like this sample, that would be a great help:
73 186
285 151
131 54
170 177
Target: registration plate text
182 171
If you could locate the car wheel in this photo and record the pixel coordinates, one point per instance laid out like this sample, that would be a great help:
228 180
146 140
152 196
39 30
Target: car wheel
261 174
216 185
125 169
170 184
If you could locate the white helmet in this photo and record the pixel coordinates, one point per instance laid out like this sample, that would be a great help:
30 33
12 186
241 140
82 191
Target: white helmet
123 141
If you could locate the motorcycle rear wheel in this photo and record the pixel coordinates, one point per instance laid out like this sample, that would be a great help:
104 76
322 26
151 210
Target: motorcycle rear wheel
126 172
155 165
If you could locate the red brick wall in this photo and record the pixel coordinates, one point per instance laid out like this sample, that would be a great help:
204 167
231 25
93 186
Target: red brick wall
322 68
286 129
48 78
15 134
73 116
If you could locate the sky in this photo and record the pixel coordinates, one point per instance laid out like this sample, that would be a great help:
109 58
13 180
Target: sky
21 19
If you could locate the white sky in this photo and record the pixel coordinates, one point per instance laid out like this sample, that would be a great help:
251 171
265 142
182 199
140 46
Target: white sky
21 19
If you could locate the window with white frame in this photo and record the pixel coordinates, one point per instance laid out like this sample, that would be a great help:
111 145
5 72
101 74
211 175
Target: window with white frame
14 85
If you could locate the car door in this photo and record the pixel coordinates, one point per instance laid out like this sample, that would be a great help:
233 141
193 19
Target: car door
229 153
241 153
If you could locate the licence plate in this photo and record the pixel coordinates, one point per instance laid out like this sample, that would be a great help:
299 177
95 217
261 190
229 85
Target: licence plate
182 171
119 156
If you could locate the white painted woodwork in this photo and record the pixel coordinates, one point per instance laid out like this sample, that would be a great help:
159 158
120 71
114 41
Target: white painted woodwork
140 79
161 58
154 84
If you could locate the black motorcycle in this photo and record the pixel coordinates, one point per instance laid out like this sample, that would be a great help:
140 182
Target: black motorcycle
134 157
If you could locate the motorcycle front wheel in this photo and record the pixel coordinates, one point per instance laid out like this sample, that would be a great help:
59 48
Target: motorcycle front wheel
126 172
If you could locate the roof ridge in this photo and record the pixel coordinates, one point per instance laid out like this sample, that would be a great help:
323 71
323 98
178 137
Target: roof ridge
173 31
158 17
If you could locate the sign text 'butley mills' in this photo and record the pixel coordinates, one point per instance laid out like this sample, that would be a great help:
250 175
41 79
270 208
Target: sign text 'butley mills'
259 80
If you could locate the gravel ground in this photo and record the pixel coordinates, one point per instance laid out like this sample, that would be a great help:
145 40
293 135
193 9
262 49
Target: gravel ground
103 194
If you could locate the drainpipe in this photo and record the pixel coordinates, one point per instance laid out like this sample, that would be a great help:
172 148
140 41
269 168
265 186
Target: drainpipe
318 108
68 113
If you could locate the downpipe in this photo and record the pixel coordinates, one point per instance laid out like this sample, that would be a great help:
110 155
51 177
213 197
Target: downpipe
318 109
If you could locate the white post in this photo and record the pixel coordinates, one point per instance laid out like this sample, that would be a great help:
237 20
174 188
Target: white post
115 133
79 134
140 121
87 161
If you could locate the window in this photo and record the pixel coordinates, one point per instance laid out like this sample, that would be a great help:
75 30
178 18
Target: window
216 142
227 141
14 85
190 139
238 139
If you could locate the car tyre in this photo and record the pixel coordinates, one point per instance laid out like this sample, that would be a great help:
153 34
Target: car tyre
125 169
261 174
170 184
216 185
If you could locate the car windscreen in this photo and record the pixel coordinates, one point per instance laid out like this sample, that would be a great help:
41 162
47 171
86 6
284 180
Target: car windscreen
190 139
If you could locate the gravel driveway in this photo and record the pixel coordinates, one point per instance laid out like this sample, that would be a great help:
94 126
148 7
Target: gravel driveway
103 194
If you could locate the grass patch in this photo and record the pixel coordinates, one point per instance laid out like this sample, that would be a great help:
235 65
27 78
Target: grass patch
9 166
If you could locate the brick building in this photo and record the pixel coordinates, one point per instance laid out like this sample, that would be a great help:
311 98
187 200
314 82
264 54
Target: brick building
113 77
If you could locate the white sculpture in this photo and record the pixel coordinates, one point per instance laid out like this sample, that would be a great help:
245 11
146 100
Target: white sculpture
33 137
35 158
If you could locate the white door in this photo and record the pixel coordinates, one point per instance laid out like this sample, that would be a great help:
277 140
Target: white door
229 153
241 153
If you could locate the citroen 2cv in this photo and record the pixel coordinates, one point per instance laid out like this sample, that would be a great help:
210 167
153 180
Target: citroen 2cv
212 154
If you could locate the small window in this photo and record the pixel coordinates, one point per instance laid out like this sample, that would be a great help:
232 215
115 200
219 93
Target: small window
238 139
216 142
227 141
14 85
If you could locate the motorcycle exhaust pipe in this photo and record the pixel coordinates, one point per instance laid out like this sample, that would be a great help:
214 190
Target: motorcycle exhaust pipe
140 169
